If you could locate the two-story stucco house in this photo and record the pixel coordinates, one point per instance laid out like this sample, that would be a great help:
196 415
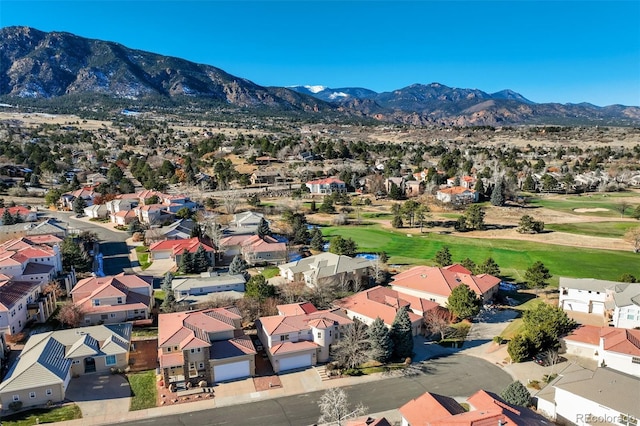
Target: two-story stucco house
113 299
326 186
207 345
301 336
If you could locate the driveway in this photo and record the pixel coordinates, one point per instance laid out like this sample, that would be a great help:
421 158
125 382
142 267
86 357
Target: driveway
487 325
97 394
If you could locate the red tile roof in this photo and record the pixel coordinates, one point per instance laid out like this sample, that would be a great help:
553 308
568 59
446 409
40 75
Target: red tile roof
88 289
301 308
181 328
430 407
281 324
456 190
292 347
325 181
619 340
178 246
589 334
441 281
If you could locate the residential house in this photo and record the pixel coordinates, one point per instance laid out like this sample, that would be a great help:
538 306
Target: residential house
617 348
88 193
300 341
22 259
327 269
326 186
384 303
207 345
96 211
255 250
123 217
485 408
264 177
413 188
23 302
399 182
113 299
579 396
48 227
152 214
96 178
181 229
49 360
435 284
618 302
22 213
123 202
457 195
468 182
4 354
245 223
198 289
173 249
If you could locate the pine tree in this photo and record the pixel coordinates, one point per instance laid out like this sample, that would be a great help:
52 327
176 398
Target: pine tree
263 228
201 261
317 240
470 265
166 282
401 334
78 205
396 222
489 266
463 302
7 219
497 196
443 257
169 303
380 341
186 262
517 394
237 266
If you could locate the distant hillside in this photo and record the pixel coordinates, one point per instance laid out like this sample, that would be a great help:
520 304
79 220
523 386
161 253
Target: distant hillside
40 67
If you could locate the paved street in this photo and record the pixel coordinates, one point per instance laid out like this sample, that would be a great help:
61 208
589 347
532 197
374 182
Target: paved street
112 243
455 375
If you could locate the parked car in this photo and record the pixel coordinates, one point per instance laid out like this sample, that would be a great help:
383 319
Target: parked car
543 360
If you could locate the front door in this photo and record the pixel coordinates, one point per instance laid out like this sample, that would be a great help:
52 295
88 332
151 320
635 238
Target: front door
89 365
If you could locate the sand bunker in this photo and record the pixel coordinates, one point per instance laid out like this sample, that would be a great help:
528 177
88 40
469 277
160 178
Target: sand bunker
597 209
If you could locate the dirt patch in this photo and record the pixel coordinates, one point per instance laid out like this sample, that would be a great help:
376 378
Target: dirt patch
144 355
594 210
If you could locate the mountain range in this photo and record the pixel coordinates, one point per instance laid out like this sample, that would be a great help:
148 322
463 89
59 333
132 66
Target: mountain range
36 66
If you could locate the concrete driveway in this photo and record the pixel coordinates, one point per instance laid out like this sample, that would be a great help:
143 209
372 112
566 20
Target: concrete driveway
99 394
487 325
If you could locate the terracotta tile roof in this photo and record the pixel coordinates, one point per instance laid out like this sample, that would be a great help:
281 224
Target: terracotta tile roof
441 281
21 210
46 239
589 334
326 181
281 324
178 246
514 415
181 328
88 289
301 308
175 359
621 340
456 190
268 244
430 407
292 347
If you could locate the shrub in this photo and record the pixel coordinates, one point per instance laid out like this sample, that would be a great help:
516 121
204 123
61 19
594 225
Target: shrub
517 394
519 348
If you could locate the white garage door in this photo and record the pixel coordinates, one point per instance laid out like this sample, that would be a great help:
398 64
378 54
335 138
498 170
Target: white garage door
576 306
597 308
235 370
161 255
295 362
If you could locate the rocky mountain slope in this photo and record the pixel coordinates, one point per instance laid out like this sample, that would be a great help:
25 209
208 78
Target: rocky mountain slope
36 65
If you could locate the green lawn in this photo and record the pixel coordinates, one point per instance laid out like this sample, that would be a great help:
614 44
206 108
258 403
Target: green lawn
515 327
569 203
158 295
271 272
142 249
143 390
514 257
594 229
144 332
143 259
43 415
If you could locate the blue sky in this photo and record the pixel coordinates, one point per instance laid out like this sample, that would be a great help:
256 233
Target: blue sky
571 51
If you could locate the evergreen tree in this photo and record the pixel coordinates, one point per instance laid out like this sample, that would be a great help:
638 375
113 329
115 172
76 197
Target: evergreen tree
186 262
381 345
479 187
237 266
537 275
396 222
497 195
529 184
394 192
463 302
401 334
475 217
201 261
263 228
517 394
134 226
489 266
469 264
166 282
74 256
443 257
169 303
196 231
344 246
78 205
317 239
7 218
258 288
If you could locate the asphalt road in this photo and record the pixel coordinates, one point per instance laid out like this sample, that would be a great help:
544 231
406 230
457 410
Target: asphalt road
455 375
112 243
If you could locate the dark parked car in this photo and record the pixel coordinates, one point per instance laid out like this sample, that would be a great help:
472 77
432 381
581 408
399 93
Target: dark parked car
543 360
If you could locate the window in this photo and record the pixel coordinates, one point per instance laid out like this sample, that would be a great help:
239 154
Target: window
193 351
284 337
319 334
16 398
119 300
192 365
96 302
329 333
201 365
49 392
199 350
635 360
32 394
110 360
20 307
104 316
76 361
630 316
112 315
169 349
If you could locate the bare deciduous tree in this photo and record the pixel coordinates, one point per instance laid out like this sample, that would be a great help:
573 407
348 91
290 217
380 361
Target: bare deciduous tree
70 314
552 357
633 236
352 350
230 200
335 409
438 322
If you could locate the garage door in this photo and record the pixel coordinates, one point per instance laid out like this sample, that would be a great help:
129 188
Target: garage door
576 306
231 371
292 362
161 255
597 308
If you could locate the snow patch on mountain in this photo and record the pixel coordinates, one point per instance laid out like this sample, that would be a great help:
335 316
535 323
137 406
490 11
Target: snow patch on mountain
315 89
336 95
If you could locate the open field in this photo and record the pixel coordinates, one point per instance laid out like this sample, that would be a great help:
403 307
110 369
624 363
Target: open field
514 257
601 205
